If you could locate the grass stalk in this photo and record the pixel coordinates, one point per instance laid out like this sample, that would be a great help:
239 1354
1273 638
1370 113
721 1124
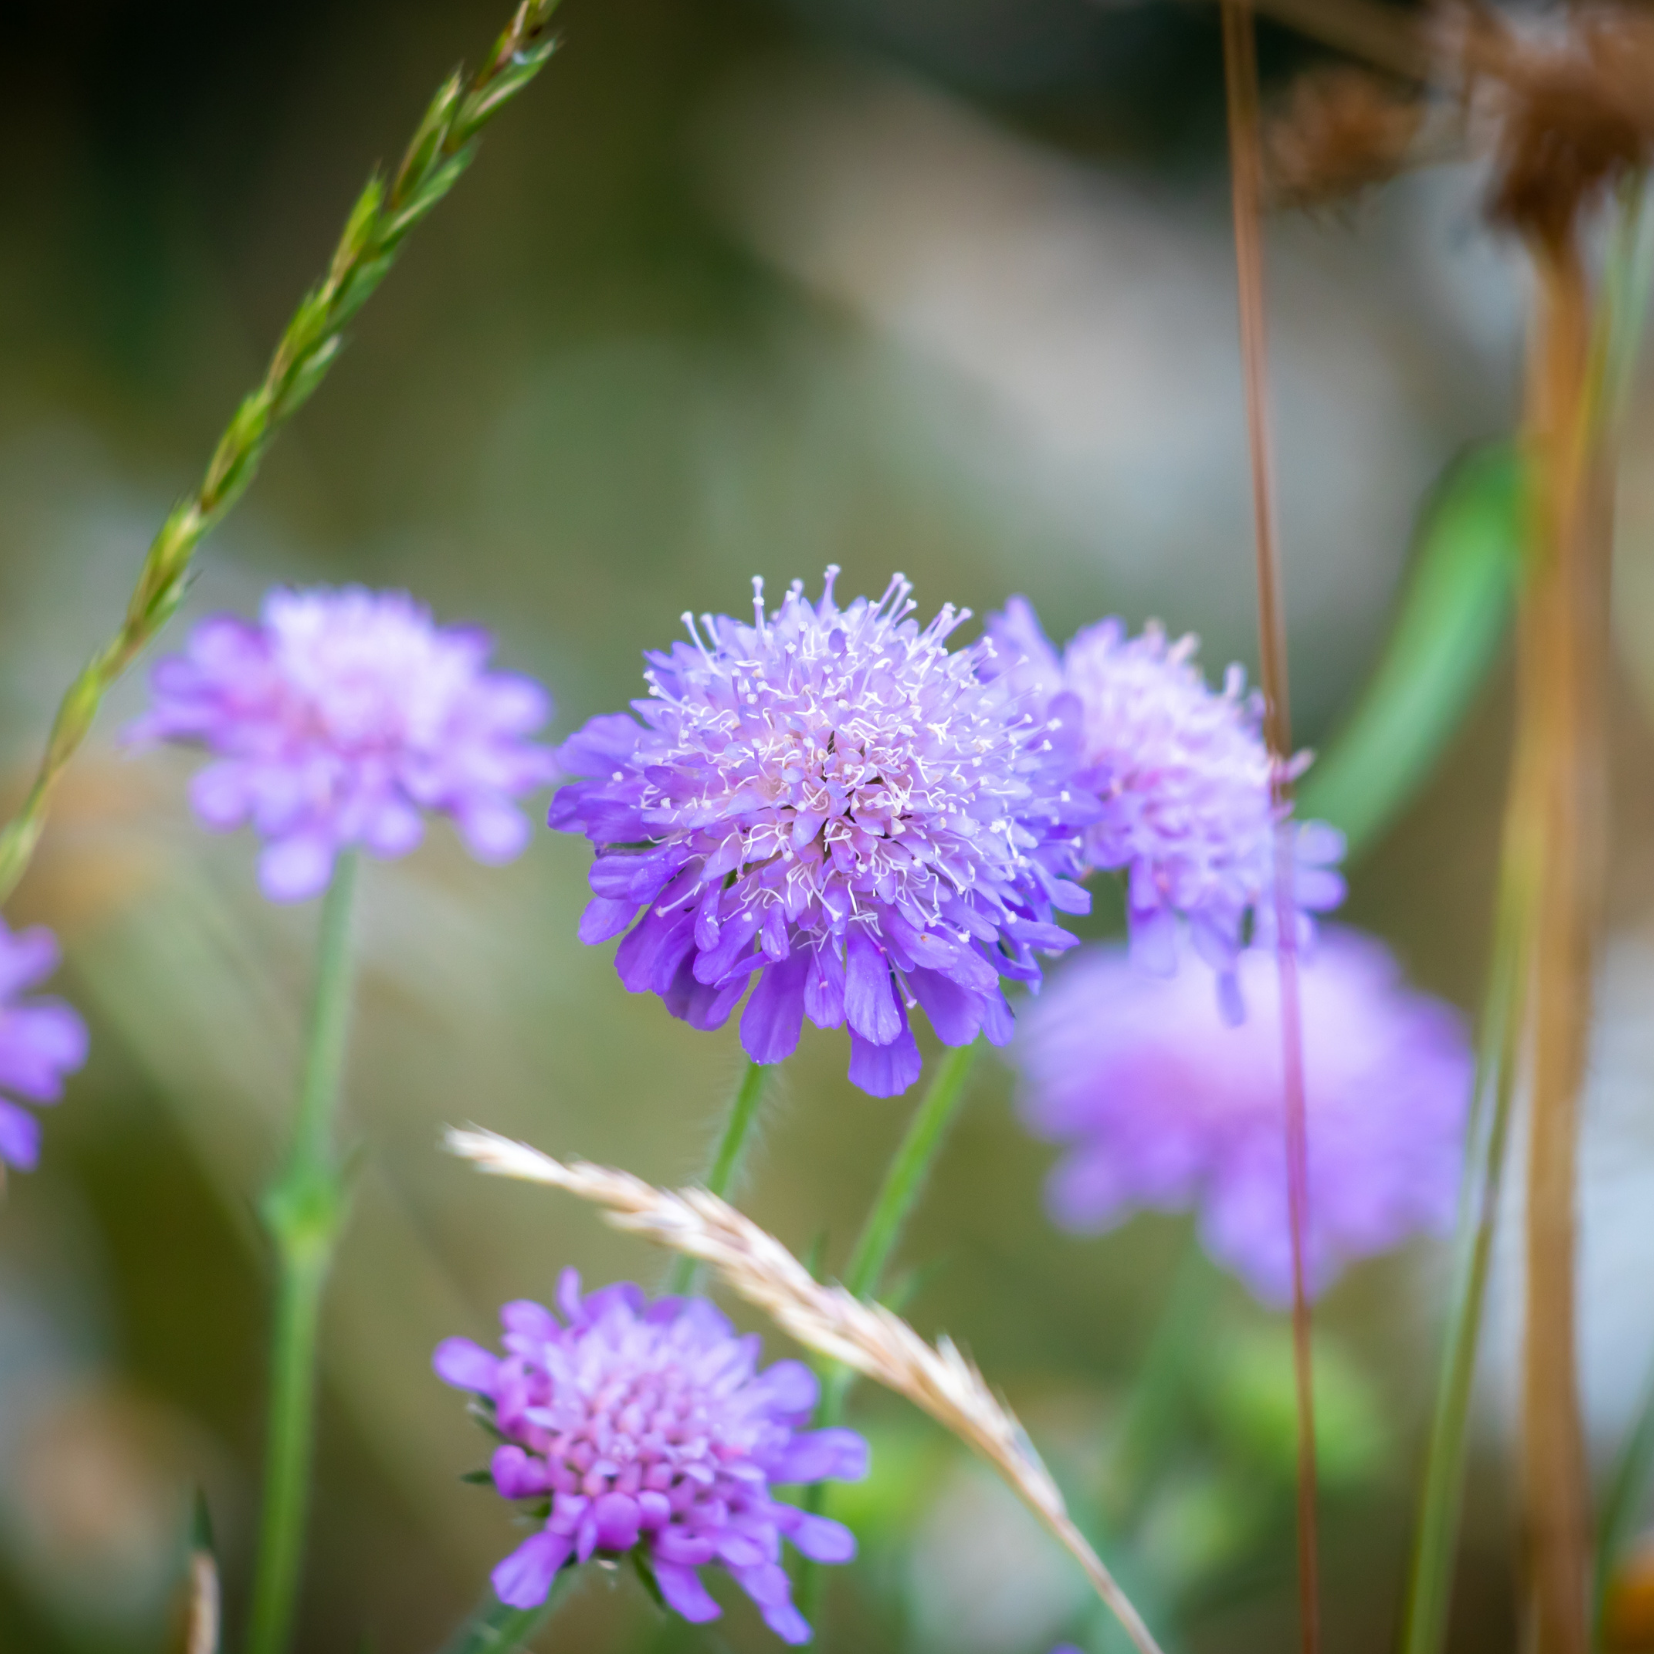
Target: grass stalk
303 1212
1246 167
386 211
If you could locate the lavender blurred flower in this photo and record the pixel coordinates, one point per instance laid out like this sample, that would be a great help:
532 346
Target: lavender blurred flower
648 1425
1164 1105
1183 776
41 1040
338 719
828 805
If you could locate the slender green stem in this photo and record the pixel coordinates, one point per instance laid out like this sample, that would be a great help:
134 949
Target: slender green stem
496 1629
1622 1509
905 1178
727 1158
302 1211
904 1182
1430 1579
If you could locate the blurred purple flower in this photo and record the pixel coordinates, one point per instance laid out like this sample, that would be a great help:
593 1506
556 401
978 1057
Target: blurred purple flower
338 719
1164 1105
827 805
648 1425
1183 777
41 1040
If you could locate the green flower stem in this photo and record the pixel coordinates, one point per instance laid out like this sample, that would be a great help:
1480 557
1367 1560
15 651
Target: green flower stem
905 1179
496 1629
303 1212
904 1182
1498 1060
441 149
727 1159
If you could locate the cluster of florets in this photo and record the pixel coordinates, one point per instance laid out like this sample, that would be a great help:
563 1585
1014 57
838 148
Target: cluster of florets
1184 781
647 1428
1164 1105
41 1040
338 719
828 807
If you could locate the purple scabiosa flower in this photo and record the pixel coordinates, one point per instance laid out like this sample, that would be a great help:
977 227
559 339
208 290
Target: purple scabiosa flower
648 1426
341 716
1163 1104
41 1040
828 806
1183 778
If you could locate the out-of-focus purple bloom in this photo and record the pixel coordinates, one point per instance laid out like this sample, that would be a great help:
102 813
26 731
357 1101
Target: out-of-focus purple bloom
339 718
829 806
1183 778
41 1040
648 1425
1164 1105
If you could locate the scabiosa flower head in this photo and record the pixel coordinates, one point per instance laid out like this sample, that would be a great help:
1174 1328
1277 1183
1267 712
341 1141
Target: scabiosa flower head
1165 1105
1183 778
828 805
648 1425
41 1040
339 718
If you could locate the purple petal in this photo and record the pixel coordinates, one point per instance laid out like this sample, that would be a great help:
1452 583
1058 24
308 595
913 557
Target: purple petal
19 1137
220 796
524 1579
787 1623
466 1365
869 999
775 1013
884 1070
684 1592
27 957
604 918
824 988
516 1475
789 1388
494 831
618 1519
955 1012
822 1539
295 869
819 1455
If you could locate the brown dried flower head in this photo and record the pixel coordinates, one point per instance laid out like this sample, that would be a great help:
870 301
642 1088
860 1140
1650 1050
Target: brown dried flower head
1342 131
1574 117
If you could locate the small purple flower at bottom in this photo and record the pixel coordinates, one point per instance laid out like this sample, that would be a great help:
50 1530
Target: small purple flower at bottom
41 1040
638 1426
338 720
1164 1105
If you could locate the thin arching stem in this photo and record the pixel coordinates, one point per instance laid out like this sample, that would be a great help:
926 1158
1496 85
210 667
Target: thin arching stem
1241 83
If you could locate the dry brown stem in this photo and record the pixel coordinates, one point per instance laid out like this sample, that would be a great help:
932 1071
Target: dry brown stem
1246 174
866 1337
1563 647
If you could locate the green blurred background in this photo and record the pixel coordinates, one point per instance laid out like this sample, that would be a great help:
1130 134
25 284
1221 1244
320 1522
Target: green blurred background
742 287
